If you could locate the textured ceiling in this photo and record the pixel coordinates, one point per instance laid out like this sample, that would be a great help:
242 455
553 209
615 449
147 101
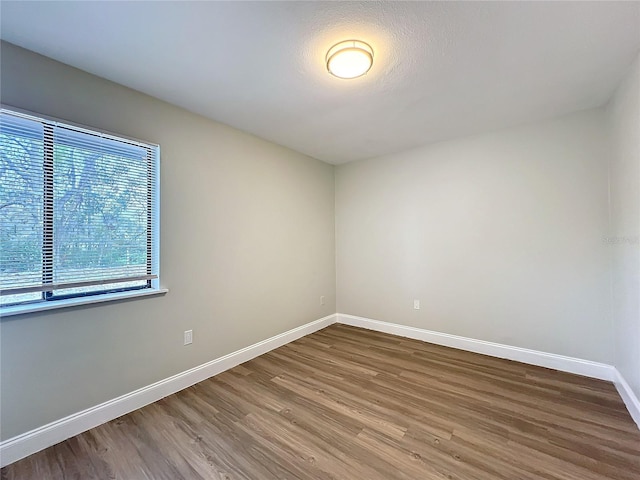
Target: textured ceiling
441 69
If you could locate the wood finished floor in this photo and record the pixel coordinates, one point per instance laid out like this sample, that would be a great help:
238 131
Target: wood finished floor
346 403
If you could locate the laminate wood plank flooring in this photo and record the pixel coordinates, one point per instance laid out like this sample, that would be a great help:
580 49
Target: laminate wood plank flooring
347 403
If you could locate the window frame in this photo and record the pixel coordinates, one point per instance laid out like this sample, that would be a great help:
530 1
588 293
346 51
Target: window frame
49 300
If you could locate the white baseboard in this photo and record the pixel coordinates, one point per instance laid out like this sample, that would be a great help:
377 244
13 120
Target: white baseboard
40 438
578 366
628 397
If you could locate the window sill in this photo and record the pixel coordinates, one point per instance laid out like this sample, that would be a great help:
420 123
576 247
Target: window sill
73 302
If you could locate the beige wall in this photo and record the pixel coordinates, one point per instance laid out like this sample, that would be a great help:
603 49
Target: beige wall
500 236
623 115
247 249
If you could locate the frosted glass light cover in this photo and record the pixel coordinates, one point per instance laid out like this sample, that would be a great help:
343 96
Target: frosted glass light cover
349 59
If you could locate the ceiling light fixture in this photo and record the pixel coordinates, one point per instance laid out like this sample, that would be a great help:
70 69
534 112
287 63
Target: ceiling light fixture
349 59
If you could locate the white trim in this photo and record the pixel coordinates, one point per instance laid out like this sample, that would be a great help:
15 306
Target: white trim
577 366
629 398
74 302
40 438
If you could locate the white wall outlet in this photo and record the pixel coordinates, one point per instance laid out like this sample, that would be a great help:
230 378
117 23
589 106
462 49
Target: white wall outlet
322 300
188 337
416 304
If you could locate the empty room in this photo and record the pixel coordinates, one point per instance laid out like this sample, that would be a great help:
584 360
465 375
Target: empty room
319 240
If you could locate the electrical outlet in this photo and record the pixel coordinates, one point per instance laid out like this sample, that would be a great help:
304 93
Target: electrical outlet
322 300
188 337
416 304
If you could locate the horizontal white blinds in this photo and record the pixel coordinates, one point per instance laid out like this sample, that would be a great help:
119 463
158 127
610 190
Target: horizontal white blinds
21 202
82 209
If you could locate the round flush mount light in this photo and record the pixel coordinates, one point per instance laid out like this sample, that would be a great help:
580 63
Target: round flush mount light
349 59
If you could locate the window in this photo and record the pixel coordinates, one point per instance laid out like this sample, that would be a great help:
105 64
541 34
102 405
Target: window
78 211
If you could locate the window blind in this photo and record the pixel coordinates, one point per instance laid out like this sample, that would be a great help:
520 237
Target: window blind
77 210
